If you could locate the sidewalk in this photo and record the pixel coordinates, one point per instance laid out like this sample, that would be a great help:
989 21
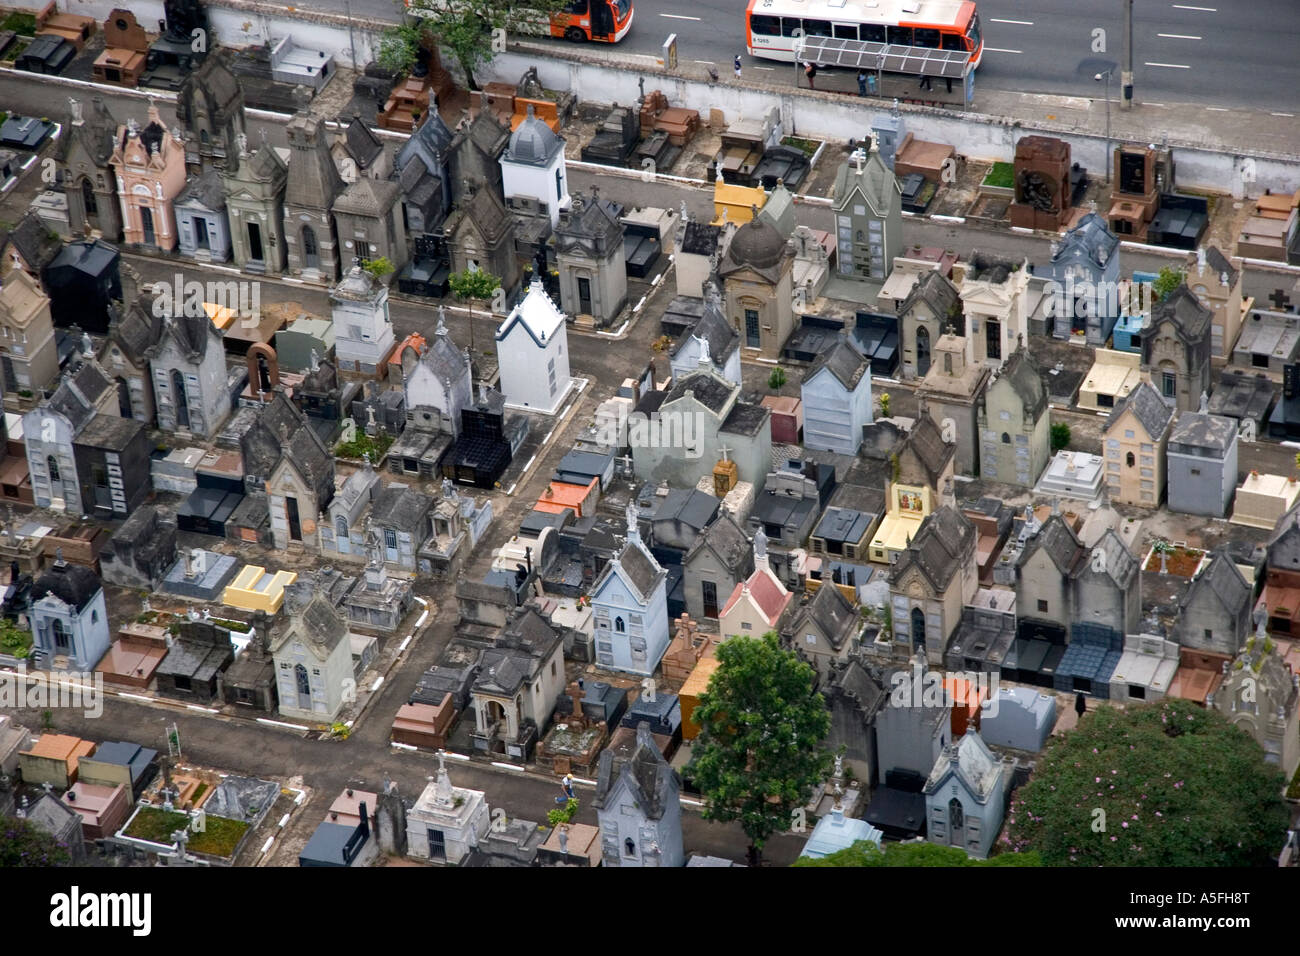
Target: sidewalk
1187 124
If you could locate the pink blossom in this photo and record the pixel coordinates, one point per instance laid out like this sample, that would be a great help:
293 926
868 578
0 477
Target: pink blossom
1124 824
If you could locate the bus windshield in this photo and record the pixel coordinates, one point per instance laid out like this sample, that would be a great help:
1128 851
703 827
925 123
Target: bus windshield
974 32
624 7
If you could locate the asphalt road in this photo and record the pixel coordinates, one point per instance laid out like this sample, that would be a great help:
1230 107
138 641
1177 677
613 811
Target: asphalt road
1224 53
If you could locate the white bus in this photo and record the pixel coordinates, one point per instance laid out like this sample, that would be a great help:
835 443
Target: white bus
771 26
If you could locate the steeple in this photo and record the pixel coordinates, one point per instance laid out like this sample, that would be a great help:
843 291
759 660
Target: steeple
443 795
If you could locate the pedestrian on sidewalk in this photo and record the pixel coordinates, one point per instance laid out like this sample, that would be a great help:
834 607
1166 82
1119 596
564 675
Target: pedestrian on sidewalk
862 82
925 82
737 66
810 71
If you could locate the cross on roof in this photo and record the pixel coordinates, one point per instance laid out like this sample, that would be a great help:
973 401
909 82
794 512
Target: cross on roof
1280 299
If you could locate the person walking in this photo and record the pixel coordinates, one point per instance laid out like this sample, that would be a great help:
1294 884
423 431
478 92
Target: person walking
811 72
737 66
925 82
862 82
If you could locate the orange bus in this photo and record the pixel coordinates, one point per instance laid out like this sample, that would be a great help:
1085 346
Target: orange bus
771 26
602 21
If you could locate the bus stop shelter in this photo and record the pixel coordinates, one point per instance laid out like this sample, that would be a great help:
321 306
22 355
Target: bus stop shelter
887 58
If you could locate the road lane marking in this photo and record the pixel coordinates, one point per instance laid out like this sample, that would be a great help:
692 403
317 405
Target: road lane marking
1218 109
1170 66
677 16
1181 6
1177 36
1019 23
993 49
770 69
1288 115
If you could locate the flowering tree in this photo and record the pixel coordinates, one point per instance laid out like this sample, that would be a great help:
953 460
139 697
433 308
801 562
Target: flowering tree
1163 784
22 844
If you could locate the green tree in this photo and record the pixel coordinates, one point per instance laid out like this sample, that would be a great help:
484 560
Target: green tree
473 284
1060 436
465 27
469 285
1167 280
399 47
562 815
776 379
865 853
1165 784
378 268
23 844
759 754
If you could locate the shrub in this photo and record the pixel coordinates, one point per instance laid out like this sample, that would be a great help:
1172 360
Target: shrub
1060 436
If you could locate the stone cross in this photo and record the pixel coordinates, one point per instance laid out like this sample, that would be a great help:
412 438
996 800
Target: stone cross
1280 300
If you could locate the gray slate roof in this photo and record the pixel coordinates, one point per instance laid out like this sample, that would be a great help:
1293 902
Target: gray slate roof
1091 240
1200 430
207 190
937 292
1022 374
946 540
725 539
842 524
72 584
34 241
401 508
831 612
1060 542
714 328
846 363
1190 319
1149 408
642 570
710 390
692 507
361 142
652 783
1222 579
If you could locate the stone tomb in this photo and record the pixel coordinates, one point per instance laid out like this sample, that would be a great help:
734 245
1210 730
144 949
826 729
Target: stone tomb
1042 184
199 574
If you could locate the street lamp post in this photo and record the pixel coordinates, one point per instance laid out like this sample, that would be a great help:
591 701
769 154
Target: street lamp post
1100 77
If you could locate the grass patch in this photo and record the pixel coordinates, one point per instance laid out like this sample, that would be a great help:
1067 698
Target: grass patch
219 838
24 24
1001 176
805 146
13 53
199 791
14 641
239 626
376 447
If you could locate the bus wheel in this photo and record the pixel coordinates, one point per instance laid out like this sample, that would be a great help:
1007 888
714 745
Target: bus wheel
574 35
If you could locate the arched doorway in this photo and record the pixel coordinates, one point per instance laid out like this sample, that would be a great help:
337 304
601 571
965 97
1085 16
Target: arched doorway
180 399
89 203
124 399
922 350
304 687
918 628
956 823
310 251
